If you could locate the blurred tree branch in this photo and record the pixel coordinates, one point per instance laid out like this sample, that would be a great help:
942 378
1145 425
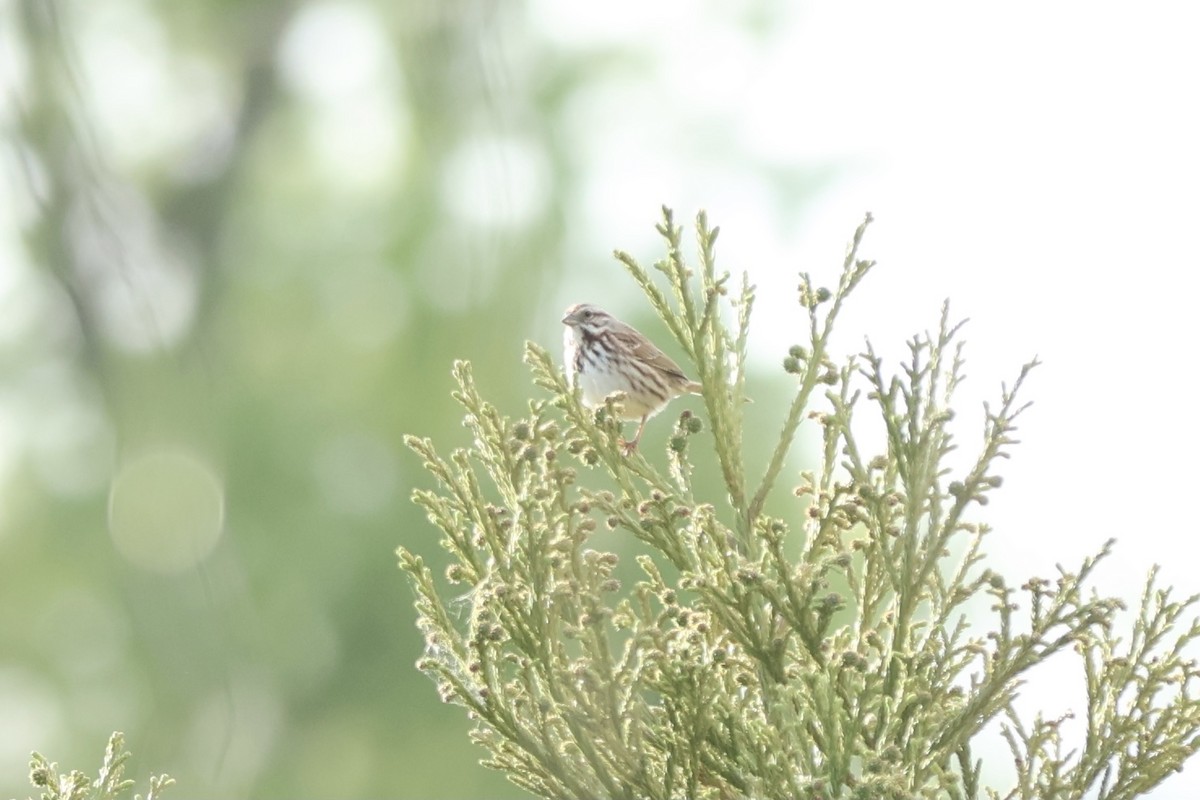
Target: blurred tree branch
66 172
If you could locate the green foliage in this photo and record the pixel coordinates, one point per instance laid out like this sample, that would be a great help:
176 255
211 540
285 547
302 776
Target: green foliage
829 655
74 785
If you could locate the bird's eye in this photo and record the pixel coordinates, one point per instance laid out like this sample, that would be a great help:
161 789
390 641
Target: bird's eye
587 314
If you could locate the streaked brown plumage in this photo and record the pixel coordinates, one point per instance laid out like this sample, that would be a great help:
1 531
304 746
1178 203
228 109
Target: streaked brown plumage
604 355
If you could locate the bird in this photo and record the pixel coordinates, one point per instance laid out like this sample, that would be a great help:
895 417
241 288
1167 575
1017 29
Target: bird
603 355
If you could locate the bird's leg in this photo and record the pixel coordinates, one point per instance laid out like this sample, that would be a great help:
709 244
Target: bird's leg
631 445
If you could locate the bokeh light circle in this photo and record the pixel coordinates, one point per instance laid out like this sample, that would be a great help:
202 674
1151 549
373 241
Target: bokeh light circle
165 511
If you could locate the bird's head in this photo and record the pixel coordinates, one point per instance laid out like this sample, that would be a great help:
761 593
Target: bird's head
587 318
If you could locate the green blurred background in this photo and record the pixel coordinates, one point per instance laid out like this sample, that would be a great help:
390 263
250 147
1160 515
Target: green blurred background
241 244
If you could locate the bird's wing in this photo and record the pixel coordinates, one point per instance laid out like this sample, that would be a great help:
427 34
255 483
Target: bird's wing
644 350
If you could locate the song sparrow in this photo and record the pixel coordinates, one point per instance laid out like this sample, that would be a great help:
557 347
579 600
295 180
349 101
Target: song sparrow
604 355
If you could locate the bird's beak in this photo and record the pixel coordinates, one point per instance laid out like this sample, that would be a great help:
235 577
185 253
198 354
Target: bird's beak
569 319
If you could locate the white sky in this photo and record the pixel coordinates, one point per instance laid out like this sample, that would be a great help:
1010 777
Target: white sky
1037 163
